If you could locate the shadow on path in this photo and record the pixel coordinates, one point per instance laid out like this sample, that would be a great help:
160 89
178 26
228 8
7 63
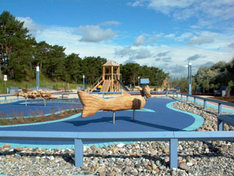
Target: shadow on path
108 120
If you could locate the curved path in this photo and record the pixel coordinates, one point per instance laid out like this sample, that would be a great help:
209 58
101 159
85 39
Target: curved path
157 115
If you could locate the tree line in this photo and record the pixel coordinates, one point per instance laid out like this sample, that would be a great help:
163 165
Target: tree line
20 53
208 79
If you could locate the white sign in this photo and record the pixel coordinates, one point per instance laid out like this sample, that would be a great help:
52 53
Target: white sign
5 78
37 68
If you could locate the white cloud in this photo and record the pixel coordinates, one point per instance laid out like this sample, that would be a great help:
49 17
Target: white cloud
184 36
59 36
170 35
164 6
140 40
91 33
195 57
208 13
161 54
124 51
167 6
207 64
142 53
134 53
231 45
108 23
200 40
165 57
32 26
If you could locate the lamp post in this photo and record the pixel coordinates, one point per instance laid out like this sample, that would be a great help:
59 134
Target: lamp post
138 80
5 80
84 82
38 77
190 77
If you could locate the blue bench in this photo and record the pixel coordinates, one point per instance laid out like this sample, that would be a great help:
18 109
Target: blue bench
229 119
222 91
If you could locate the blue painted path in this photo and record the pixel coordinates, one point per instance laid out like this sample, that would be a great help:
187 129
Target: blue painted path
157 115
34 108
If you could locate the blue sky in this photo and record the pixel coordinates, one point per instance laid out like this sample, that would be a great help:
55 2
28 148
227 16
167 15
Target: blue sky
162 33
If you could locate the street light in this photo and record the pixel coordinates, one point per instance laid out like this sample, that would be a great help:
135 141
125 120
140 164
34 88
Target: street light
84 82
138 80
38 76
5 80
190 77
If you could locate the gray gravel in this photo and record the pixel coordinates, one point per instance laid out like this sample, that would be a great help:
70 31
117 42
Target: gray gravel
140 158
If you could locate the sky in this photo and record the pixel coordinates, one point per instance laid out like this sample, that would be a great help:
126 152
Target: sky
167 34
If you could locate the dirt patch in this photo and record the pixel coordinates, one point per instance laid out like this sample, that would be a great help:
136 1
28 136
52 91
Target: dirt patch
23 120
228 99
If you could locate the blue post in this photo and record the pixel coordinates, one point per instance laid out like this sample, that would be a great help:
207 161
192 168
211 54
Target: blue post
220 108
173 153
38 77
78 153
205 104
195 100
220 125
134 115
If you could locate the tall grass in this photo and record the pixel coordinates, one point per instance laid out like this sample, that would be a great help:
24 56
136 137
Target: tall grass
32 84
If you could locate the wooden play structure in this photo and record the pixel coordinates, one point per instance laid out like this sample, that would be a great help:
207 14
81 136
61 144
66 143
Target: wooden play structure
35 94
44 95
110 79
164 84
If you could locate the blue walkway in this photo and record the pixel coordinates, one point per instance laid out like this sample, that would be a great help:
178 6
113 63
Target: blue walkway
157 115
34 107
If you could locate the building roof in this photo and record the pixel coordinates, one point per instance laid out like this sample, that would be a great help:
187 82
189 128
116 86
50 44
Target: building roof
110 63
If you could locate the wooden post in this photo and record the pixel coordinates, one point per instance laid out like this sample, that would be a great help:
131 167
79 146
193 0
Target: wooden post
112 78
103 72
118 75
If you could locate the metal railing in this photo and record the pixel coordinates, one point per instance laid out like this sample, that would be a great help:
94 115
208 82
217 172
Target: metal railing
80 138
177 94
102 93
8 95
205 100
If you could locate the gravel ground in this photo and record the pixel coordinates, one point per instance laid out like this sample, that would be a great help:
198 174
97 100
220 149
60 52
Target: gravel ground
140 158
